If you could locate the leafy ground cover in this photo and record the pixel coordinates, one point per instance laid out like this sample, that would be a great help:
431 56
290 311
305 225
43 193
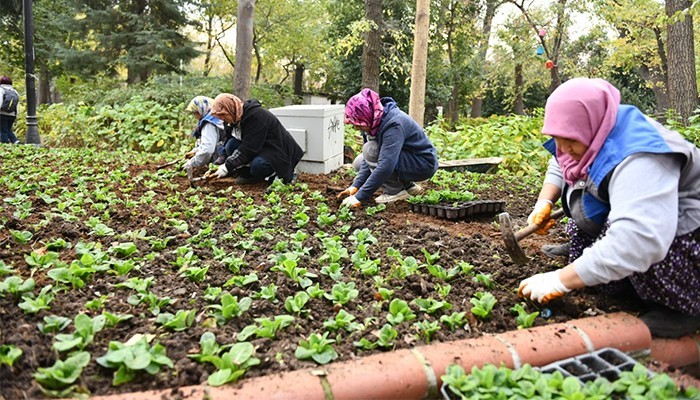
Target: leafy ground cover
118 277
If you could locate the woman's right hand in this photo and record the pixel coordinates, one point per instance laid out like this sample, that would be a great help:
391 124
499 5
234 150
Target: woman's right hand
189 154
541 215
348 192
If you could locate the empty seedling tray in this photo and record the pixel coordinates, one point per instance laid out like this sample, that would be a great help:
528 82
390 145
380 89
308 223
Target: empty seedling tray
606 363
460 209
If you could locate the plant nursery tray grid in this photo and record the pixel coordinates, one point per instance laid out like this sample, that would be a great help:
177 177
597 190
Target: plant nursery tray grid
460 209
607 362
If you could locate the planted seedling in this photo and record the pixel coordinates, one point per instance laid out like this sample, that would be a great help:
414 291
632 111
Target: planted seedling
58 380
53 323
343 320
9 354
399 311
431 306
32 305
484 279
15 286
180 321
83 334
132 357
426 329
233 364
386 338
268 293
342 293
297 303
112 320
483 304
454 320
230 308
21 237
318 348
524 319
267 327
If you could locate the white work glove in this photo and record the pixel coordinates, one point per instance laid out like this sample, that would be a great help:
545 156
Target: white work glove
221 172
543 288
352 202
348 192
541 213
187 165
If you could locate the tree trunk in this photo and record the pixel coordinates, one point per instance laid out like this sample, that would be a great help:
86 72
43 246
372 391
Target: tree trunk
416 107
244 49
44 85
372 47
478 101
298 79
209 45
682 87
518 107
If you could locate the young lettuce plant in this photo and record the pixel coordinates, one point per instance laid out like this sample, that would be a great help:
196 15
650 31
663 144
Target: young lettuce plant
431 306
82 336
32 305
180 321
399 311
318 348
297 303
16 286
230 308
483 304
53 324
343 320
524 319
427 329
59 379
342 293
132 357
233 364
9 354
386 338
454 320
267 329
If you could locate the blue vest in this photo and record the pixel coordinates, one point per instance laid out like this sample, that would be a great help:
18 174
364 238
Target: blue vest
588 203
209 119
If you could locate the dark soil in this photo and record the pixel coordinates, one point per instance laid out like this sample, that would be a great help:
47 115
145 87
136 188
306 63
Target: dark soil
475 241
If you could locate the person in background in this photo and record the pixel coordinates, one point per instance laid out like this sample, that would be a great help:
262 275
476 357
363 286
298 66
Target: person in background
9 98
266 150
632 190
210 134
396 151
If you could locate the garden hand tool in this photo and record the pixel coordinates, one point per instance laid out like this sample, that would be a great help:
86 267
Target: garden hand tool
512 239
169 164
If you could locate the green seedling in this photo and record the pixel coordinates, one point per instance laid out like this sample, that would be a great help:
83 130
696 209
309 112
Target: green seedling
399 311
483 304
53 324
9 354
427 329
132 357
179 321
21 237
431 306
454 320
58 380
230 308
112 320
318 348
267 327
32 305
524 319
296 304
343 320
15 286
233 364
83 334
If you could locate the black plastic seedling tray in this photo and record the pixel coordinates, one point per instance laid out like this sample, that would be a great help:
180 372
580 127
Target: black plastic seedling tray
460 209
607 363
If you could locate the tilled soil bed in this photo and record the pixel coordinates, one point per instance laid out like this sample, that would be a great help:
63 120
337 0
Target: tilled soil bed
97 201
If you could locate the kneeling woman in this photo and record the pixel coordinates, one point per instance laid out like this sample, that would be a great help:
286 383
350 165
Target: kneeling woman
396 151
266 150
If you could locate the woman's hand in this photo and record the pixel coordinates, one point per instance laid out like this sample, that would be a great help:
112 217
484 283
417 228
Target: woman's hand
543 288
541 215
347 192
352 202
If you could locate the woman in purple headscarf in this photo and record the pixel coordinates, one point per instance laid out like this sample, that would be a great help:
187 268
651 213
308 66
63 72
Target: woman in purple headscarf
396 151
632 191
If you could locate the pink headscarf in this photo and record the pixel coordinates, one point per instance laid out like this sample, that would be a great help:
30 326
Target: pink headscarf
365 109
584 110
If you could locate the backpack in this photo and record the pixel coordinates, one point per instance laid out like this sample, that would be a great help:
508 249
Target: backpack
9 101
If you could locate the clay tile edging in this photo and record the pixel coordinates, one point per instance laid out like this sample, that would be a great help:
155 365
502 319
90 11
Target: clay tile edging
677 352
415 373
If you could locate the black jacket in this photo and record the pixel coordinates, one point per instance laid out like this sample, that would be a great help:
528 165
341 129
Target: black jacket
262 134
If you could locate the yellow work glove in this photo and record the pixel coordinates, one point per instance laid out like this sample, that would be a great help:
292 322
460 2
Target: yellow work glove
543 288
348 192
541 215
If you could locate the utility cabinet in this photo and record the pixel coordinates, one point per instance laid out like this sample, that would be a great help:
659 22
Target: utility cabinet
319 130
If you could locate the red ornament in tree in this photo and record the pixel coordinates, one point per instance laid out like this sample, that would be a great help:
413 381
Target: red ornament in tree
549 64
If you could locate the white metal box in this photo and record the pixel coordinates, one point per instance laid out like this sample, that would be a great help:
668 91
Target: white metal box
324 134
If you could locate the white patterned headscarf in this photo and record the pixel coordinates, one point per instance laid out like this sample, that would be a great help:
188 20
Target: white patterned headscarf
200 104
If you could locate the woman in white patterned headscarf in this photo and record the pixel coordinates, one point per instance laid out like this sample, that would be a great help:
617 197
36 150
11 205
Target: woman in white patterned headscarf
209 132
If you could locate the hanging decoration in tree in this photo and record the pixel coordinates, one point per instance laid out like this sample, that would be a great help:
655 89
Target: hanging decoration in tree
540 50
542 32
549 64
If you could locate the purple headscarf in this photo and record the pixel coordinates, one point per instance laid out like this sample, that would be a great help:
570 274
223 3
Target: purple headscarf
584 110
365 110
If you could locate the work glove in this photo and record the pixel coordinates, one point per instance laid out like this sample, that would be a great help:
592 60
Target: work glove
221 172
189 154
543 288
540 215
187 165
348 192
352 201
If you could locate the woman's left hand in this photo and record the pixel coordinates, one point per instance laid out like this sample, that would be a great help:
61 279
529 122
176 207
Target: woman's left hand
543 287
352 202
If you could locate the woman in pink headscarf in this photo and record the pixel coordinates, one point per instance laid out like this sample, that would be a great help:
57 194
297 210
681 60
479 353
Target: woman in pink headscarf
396 151
632 191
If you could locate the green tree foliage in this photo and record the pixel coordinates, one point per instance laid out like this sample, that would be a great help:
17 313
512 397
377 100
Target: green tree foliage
142 36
